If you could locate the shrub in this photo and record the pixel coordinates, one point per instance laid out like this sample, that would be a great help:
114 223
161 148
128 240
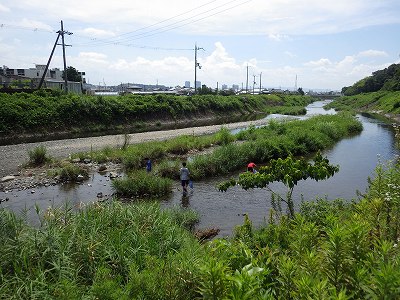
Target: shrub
72 172
224 136
38 156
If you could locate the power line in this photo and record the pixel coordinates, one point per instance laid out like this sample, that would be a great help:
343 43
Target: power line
125 41
168 27
36 29
111 40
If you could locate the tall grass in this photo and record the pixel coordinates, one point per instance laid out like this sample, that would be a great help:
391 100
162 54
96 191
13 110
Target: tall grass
274 141
38 156
142 184
105 251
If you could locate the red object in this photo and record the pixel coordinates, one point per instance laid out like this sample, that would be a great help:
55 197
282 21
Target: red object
251 165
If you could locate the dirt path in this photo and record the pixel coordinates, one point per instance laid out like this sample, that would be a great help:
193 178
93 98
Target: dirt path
13 156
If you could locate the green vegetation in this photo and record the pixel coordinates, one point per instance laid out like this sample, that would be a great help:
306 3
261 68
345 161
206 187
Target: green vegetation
382 102
218 154
277 140
67 171
111 251
53 111
38 156
72 74
288 171
329 250
387 79
142 184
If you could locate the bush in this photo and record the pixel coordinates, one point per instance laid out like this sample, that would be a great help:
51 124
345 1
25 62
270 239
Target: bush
224 136
38 156
72 172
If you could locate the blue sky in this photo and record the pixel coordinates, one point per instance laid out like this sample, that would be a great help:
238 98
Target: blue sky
325 44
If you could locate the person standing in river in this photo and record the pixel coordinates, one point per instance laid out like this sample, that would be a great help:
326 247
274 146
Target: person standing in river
184 176
148 165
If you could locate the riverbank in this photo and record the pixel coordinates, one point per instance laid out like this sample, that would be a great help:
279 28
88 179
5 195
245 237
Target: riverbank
382 103
54 115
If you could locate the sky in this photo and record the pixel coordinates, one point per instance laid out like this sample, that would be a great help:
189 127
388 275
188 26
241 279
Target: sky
312 44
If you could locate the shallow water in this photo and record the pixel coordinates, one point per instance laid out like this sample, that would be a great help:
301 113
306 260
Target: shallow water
357 157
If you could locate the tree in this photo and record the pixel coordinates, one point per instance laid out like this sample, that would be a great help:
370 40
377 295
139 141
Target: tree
300 91
288 171
204 90
72 74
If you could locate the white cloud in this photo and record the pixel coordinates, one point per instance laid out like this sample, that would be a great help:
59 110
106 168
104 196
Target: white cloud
93 57
4 8
94 32
278 37
273 18
372 53
323 62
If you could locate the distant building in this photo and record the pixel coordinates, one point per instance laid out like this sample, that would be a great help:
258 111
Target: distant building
187 84
198 84
32 73
235 87
52 79
224 87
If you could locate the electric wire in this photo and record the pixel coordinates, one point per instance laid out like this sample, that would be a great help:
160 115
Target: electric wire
169 27
129 38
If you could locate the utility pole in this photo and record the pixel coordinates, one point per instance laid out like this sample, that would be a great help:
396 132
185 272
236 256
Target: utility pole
196 65
48 63
260 82
254 82
247 78
62 33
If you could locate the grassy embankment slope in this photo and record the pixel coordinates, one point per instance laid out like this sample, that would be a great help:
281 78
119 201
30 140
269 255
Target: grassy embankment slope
378 93
385 103
52 112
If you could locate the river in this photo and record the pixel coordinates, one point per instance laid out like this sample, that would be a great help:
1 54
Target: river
357 157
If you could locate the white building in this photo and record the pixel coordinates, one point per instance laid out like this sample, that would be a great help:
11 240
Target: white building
53 78
32 73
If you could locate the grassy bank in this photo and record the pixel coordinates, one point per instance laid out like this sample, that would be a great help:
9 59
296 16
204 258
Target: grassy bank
330 250
53 112
385 102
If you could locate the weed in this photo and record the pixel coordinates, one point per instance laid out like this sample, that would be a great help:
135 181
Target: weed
38 156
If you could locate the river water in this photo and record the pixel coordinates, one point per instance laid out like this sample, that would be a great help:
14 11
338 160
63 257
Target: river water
357 157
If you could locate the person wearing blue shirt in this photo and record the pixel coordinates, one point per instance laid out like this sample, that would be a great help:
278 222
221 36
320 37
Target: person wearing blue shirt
148 165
